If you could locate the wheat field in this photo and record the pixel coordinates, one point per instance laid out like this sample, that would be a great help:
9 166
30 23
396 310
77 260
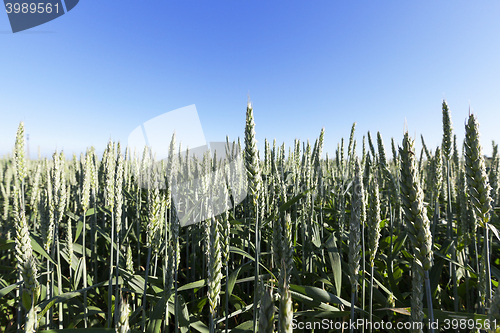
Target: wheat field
285 240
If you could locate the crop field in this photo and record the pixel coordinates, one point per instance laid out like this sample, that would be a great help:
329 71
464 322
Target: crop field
278 240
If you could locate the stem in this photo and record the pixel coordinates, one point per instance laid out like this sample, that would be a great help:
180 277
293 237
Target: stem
371 298
85 314
49 292
227 298
110 282
176 330
430 311
454 249
117 275
257 260
353 298
18 297
93 239
467 294
363 274
476 252
145 291
59 280
487 261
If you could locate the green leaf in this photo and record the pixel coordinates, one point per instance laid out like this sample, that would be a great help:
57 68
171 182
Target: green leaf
90 212
8 289
37 248
319 295
79 227
26 300
192 285
78 271
233 277
46 305
245 254
246 327
399 244
183 314
494 230
394 286
6 244
335 261
321 314
200 327
155 319
283 208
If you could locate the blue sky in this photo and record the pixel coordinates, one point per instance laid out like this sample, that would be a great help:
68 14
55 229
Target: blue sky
106 67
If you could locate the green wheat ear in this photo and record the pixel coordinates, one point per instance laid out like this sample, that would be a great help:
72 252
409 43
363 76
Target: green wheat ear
447 132
214 276
122 325
19 159
477 179
357 216
266 314
412 198
373 220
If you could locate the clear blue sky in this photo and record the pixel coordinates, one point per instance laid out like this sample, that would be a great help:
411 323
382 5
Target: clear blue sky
104 68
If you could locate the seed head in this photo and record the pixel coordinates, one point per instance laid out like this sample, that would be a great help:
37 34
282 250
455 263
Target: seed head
415 213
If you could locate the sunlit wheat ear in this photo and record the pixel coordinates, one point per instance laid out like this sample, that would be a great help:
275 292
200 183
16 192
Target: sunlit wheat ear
357 214
288 249
118 190
122 325
373 220
479 193
251 157
110 175
381 150
26 263
24 252
477 180
69 242
21 169
94 174
494 174
447 132
214 265
266 313
317 155
6 196
154 211
372 147
437 173
129 260
350 148
58 187
36 191
415 213
86 182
